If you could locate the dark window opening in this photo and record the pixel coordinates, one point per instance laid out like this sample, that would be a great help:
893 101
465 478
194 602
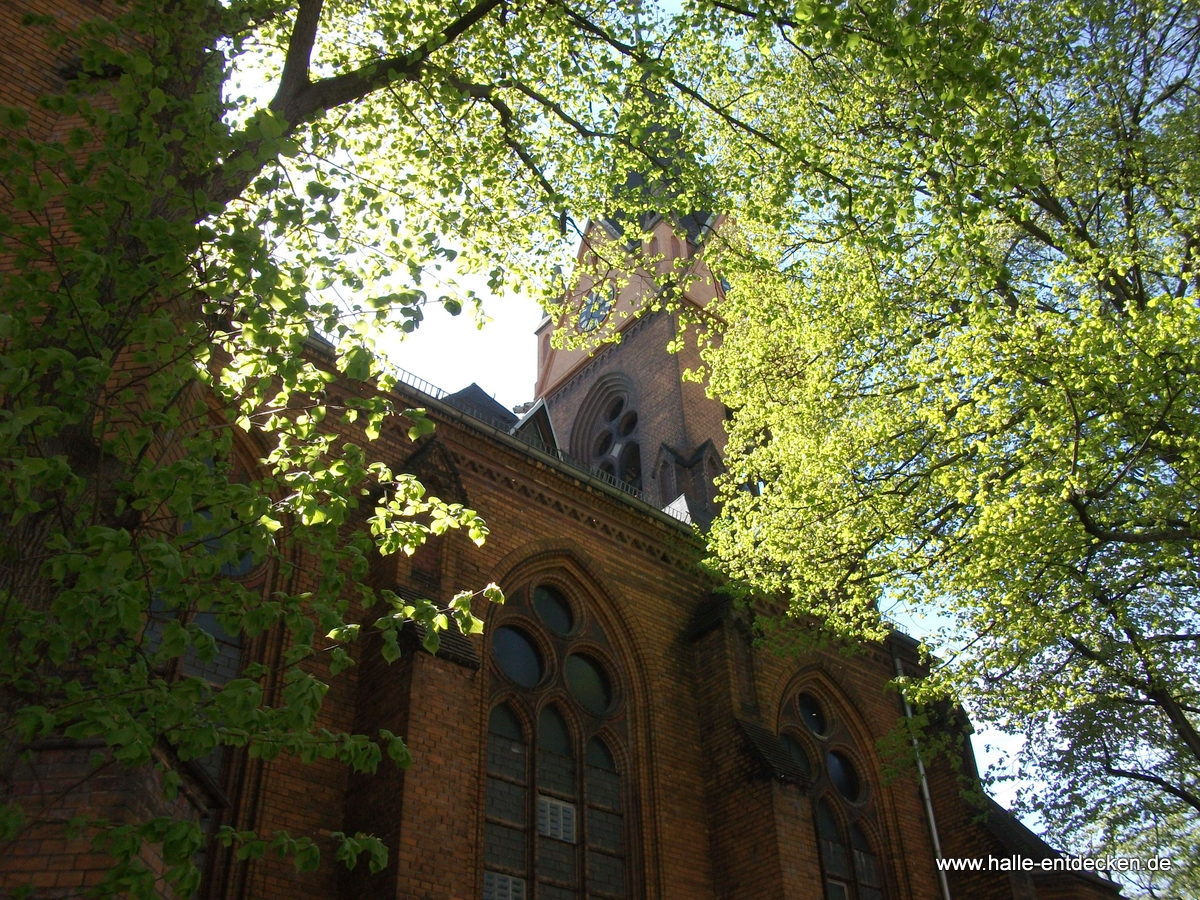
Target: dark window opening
588 684
629 465
812 714
843 775
554 611
517 657
842 810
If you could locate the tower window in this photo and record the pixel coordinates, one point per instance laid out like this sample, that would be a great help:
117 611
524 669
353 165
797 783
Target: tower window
605 436
812 714
843 775
629 464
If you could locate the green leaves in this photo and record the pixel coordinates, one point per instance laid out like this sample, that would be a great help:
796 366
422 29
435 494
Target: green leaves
961 349
144 316
422 425
191 392
269 126
350 848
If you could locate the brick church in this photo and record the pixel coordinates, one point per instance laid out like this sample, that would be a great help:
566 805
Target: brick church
618 732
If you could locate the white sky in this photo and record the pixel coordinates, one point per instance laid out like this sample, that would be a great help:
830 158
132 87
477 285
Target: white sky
450 352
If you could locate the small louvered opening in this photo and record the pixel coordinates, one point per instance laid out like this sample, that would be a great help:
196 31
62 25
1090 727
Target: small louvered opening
556 819
498 886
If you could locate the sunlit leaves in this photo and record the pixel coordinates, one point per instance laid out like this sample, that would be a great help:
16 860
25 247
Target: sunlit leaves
961 347
190 388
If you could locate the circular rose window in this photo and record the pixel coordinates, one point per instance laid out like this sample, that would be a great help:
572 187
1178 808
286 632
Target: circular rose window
588 684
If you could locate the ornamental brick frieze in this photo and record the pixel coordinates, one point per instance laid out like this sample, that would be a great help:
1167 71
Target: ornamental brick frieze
581 511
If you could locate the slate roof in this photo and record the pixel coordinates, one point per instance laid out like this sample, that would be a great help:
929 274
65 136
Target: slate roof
1019 840
1013 834
536 429
476 402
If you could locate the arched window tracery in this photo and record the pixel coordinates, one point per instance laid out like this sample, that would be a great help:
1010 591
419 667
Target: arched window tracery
606 433
822 745
555 819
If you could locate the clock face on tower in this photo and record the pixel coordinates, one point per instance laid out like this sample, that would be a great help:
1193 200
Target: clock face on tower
596 307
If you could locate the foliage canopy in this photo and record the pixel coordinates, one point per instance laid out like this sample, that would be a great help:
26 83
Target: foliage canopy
965 376
963 350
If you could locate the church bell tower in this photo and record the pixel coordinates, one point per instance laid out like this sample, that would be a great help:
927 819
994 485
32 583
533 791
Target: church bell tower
620 406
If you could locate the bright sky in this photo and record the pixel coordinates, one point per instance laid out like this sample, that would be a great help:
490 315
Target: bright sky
451 351
448 351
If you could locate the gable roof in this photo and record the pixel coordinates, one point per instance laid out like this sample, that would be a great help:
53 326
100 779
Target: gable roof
536 429
475 401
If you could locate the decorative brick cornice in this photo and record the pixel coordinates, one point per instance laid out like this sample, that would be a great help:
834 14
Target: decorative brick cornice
667 547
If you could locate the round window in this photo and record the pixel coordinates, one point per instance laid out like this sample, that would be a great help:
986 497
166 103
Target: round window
517 656
843 775
588 684
812 714
604 442
553 609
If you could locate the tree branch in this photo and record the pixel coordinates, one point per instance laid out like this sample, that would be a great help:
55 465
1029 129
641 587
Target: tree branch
1175 531
1174 790
299 99
309 99
504 111
639 57
299 53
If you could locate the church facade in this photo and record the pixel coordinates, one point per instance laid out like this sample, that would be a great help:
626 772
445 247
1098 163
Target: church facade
618 731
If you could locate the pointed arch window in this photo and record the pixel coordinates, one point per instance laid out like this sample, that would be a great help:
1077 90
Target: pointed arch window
555 822
848 863
842 811
835 854
866 866
505 831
